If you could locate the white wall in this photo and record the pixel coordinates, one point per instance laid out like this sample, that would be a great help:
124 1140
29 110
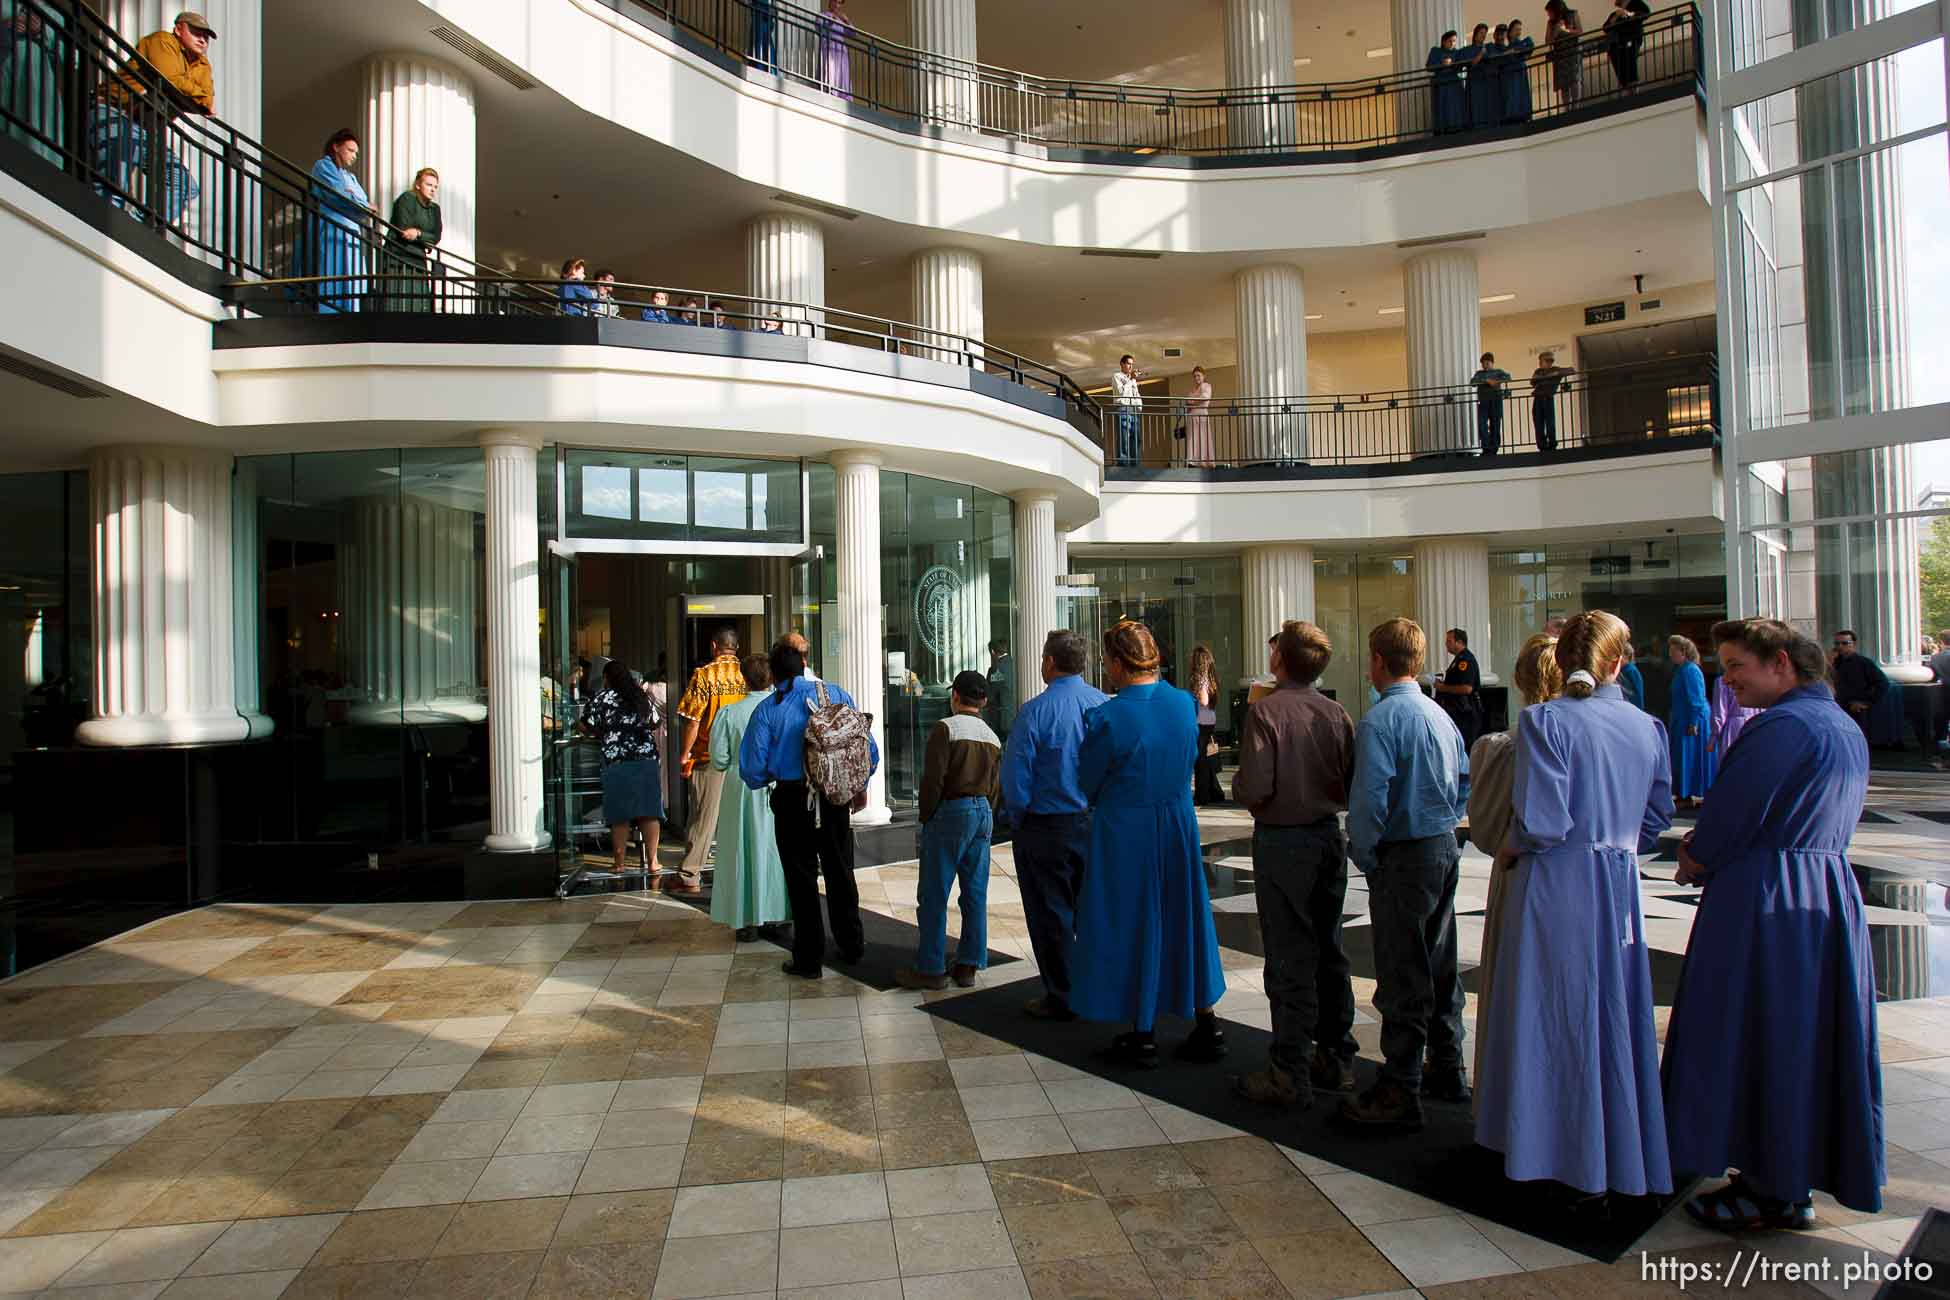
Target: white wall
615 68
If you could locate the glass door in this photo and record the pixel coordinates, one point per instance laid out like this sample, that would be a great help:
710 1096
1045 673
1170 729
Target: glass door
572 778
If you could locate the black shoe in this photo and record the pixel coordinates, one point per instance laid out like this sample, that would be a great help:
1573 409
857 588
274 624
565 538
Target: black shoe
846 957
1139 1051
1385 1108
748 934
805 974
1204 1045
1329 1072
1450 1085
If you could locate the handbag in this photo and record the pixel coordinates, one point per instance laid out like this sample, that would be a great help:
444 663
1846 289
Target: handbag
1179 432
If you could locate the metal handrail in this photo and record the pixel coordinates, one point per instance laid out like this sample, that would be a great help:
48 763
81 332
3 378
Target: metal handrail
918 88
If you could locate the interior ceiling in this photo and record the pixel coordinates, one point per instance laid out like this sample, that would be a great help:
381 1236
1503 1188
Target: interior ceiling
556 181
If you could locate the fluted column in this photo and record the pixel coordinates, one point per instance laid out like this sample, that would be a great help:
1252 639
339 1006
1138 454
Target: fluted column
785 261
1269 313
407 599
1452 589
1259 57
420 113
160 581
236 56
856 508
1417 26
946 28
1279 585
1442 322
514 610
246 551
1036 560
948 297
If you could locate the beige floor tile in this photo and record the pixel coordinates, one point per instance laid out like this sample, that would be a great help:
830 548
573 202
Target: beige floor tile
948 1243
744 1160
1069 1230
1042 1180
941 1189
928 1144
509 1178
473 1140
837 1253
991 1071
141 1255
1279 1206
1010 1139
232 1286
1107 1277
654 1094
482 1104
718 1266
570 1099
664 1126
439 1183
471 1277
259 1244
1142 1170
1109 1130
30 1263
1004 1101
1231 1269
839 1198
1322 1265
601 1271
616 1217
976 1284
374 1236
910 1076
493 1226
542 1134
885 1289
629 1169
1366 1200
725 1209
1174 1220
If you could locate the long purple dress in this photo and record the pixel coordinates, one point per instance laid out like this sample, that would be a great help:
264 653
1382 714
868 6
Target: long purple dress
1568 1085
1771 1062
835 69
1729 718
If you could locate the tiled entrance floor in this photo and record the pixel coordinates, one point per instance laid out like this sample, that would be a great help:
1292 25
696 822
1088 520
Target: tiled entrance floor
610 1097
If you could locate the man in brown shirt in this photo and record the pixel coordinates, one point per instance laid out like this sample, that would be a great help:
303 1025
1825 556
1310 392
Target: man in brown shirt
1293 777
177 64
961 784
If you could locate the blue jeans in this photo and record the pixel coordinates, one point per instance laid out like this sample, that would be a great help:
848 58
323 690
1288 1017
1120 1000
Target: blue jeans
122 149
1127 437
765 46
954 847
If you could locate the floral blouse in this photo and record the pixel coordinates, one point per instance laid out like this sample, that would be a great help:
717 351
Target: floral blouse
623 735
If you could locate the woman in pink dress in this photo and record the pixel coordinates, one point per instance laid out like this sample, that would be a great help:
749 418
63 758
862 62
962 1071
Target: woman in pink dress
1199 451
1728 718
835 70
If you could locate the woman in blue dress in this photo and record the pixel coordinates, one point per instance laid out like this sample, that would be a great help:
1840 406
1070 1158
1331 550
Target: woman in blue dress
1568 1078
574 292
33 48
340 225
1485 95
1689 725
1449 108
1145 940
1771 1062
1516 75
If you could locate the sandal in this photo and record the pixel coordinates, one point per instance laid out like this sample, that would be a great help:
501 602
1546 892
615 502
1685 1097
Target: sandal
1739 1208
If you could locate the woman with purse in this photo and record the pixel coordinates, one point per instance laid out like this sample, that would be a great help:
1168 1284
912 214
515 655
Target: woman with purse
1199 451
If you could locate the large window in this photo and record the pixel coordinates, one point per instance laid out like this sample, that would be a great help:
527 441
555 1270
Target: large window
654 496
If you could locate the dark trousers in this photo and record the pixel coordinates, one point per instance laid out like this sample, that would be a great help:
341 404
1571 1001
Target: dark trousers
1543 420
807 851
1412 907
1624 55
1050 850
1300 884
1205 772
1466 713
1489 426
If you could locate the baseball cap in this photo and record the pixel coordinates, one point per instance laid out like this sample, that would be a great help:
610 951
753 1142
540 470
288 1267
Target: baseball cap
971 686
196 22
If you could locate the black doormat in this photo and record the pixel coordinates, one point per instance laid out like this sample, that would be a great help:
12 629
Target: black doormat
1928 1246
890 945
1442 1162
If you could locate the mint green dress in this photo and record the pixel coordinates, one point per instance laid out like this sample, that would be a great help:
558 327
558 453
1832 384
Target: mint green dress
748 884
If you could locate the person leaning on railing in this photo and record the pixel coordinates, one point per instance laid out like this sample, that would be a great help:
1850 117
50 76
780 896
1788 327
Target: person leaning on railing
174 77
34 42
410 244
1544 383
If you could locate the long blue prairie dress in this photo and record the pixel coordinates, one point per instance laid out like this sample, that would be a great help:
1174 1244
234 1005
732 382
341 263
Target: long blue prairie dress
1772 1065
1568 1081
1692 769
337 247
1145 940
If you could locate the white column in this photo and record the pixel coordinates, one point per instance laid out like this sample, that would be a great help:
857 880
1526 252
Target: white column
1442 324
1417 26
1259 57
947 28
407 601
862 634
420 113
948 297
1452 589
1269 315
1063 605
236 56
1036 561
798 45
1279 585
161 591
785 260
246 559
514 611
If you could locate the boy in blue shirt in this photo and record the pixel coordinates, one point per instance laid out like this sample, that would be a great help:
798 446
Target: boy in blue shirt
1489 383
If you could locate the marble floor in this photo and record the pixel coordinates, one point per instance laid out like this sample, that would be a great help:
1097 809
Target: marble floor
609 1096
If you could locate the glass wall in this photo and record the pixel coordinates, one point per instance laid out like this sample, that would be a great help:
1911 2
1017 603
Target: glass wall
45 649
1185 602
655 496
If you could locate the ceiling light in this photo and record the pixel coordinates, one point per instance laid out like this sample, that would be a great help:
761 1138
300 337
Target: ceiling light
1497 297
1389 311
1301 63
1380 52
1313 316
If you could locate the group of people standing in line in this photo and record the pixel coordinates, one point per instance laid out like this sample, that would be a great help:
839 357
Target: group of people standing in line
1486 83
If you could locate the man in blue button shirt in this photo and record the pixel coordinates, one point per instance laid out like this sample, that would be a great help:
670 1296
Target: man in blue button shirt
1052 818
1401 832
812 842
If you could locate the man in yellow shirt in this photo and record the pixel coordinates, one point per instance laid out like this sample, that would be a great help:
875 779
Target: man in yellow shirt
170 74
713 686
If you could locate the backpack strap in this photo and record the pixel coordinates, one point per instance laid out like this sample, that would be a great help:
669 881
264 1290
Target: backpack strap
819 692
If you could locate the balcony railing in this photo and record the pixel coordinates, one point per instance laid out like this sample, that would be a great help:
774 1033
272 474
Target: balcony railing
913 89
1649 406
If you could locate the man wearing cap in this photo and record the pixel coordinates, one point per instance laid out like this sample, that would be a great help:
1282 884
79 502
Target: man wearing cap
960 787
177 59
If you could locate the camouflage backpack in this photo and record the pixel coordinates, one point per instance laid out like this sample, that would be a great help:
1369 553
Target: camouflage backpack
839 752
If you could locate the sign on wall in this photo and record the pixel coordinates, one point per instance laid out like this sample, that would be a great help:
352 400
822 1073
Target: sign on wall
1605 313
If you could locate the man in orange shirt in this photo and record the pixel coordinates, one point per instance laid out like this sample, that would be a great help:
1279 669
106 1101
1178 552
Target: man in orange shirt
170 74
712 687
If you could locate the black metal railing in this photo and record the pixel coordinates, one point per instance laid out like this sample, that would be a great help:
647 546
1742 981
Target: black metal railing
1570 78
1617 408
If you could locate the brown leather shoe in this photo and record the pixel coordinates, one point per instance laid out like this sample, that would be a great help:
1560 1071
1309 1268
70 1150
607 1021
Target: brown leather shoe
1385 1108
1274 1087
909 978
964 976
1329 1072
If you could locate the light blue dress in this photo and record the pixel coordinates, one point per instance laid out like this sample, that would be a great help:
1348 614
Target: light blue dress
338 247
1692 770
748 881
1145 940
1772 1065
1568 1082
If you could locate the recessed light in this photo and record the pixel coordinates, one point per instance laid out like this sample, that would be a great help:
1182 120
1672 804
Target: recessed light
1301 63
1313 316
1389 311
1380 52
1497 297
